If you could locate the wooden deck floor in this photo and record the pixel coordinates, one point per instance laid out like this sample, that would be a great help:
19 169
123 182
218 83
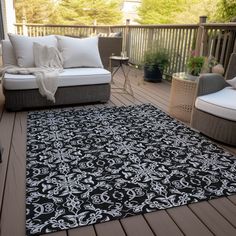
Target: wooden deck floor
215 217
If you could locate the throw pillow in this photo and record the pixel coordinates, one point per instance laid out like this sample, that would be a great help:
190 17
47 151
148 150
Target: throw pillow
232 82
23 47
8 54
80 52
115 34
47 57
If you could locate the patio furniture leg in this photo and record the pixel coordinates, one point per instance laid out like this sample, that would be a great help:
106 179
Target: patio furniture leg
127 84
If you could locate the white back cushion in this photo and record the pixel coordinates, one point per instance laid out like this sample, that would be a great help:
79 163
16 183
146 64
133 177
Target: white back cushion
23 47
8 54
79 52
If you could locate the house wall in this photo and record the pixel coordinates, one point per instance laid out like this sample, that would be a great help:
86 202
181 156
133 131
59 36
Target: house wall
9 18
130 10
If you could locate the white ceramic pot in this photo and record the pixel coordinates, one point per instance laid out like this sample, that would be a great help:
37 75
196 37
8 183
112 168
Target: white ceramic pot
218 69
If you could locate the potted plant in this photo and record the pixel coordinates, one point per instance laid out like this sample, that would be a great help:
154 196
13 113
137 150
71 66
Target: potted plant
154 64
195 65
214 66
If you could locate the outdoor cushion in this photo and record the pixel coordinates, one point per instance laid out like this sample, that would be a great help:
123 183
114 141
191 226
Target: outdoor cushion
8 54
79 52
232 82
221 103
69 77
46 57
23 47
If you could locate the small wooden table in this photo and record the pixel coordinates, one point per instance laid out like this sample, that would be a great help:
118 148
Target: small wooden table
182 96
121 61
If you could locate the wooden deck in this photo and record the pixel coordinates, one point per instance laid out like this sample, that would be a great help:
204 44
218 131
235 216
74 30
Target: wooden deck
215 217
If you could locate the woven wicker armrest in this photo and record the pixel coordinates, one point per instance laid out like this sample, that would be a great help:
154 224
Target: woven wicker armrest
231 71
210 83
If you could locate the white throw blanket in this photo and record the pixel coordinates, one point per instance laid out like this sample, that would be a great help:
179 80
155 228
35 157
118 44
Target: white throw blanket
49 64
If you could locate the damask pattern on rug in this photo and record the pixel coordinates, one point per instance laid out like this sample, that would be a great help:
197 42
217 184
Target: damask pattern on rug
86 166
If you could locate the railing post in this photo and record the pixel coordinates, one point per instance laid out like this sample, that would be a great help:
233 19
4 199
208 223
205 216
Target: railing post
200 36
234 50
24 27
95 27
127 37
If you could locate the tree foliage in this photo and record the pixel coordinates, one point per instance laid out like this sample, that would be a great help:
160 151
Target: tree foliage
35 11
87 12
192 9
84 12
158 12
185 11
226 10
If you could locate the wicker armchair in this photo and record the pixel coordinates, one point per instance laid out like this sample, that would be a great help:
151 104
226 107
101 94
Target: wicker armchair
212 125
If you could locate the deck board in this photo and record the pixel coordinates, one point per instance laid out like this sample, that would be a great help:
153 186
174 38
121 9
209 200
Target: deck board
116 101
83 231
122 99
226 208
145 94
113 228
136 226
156 91
61 233
214 217
6 127
188 222
13 210
162 224
215 221
232 199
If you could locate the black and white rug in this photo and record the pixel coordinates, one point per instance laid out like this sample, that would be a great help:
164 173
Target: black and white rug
94 165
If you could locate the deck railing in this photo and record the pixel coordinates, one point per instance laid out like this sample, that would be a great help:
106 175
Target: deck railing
178 40
217 40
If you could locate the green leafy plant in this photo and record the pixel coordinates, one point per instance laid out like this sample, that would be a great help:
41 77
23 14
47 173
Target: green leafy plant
211 62
195 65
154 59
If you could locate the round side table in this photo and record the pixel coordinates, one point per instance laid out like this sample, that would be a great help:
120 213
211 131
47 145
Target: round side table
121 61
182 96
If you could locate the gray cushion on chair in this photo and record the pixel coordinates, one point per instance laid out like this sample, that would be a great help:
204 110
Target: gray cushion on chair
221 103
231 70
210 123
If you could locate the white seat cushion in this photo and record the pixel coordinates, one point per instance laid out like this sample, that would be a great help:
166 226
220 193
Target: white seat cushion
221 103
69 77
